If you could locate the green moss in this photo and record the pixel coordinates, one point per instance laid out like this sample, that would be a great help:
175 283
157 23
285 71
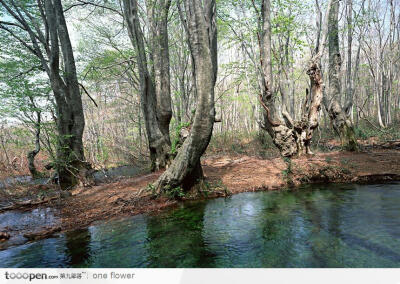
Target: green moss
175 140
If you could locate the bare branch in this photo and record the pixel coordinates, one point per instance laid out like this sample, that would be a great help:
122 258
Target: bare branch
87 93
86 3
24 43
27 71
12 24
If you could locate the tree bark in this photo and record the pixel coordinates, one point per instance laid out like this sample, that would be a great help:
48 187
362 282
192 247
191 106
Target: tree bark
185 170
291 137
282 136
154 88
349 82
32 154
46 32
340 121
71 165
158 18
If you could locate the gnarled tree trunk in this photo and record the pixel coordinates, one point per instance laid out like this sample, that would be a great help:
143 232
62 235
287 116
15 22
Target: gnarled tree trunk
158 18
185 169
291 137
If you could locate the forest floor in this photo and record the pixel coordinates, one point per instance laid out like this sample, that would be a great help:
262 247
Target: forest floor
225 175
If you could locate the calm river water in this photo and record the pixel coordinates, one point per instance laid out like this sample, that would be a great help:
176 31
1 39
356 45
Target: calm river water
314 226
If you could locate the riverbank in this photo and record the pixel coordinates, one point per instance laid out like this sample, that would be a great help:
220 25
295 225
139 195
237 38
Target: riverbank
225 175
318 225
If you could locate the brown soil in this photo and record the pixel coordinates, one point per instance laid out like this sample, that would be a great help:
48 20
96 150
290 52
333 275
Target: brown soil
229 175
250 174
225 175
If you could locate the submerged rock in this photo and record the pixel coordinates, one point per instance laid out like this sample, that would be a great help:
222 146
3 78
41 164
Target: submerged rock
4 236
47 233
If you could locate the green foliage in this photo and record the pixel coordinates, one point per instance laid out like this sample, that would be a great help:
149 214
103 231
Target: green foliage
288 171
219 186
365 131
237 148
205 188
175 139
108 64
24 88
102 154
24 92
151 188
175 192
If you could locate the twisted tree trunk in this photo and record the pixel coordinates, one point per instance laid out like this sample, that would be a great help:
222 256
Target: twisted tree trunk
185 170
291 137
158 18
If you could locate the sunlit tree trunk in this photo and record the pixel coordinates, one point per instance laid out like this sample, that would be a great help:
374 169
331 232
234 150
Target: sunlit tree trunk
349 82
158 18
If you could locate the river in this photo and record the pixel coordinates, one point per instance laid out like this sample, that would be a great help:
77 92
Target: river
313 226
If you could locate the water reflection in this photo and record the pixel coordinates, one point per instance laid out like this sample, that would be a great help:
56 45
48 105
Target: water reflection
121 243
176 239
77 246
44 253
15 221
333 226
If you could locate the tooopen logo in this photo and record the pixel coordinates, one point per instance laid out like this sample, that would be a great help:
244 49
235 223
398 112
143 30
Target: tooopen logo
25 276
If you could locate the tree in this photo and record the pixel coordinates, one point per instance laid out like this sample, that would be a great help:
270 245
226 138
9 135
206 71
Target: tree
340 121
154 80
291 137
24 95
41 28
25 100
185 169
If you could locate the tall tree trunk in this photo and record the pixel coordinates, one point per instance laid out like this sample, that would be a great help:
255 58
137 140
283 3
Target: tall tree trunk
47 33
154 90
71 165
341 123
158 18
379 92
185 169
282 136
349 82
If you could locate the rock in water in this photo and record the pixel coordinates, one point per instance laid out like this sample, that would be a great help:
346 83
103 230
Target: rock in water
47 233
4 236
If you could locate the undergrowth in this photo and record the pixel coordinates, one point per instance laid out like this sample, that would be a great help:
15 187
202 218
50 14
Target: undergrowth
252 143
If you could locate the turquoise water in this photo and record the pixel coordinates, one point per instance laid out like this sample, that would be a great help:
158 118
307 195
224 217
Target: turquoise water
314 226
